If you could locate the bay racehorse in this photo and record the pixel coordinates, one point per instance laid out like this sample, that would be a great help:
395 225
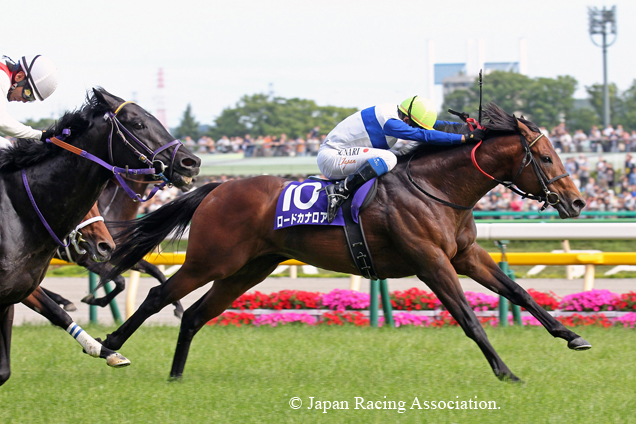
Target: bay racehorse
47 188
90 239
420 223
116 205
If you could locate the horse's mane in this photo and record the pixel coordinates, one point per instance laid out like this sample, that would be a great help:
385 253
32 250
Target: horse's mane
496 120
25 153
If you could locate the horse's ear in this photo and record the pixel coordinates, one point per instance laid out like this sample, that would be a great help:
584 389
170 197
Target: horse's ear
107 99
523 128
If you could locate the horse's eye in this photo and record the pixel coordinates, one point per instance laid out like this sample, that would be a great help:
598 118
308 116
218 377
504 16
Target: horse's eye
546 159
138 126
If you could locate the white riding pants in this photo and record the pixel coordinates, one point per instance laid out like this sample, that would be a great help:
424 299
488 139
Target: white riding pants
336 164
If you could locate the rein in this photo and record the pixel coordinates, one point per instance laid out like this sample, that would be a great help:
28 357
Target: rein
549 198
75 237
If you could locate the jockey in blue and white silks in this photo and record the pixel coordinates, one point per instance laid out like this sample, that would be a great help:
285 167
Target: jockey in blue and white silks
357 149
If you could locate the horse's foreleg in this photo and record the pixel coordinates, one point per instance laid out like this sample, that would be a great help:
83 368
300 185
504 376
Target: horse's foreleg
213 303
476 263
45 306
154 271
443 280
6 325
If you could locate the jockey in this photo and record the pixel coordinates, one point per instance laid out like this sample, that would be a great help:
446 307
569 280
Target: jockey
33 77
358 148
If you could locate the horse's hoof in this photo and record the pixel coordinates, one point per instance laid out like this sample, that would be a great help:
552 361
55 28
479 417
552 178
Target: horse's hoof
88 299
579 344
178 313
117 360
175 378
510 378
70 307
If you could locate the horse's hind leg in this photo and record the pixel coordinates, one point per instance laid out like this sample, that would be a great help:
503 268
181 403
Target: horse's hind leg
6 326
60 300
478 265
154 271
102 269
48 308
445 284
213 303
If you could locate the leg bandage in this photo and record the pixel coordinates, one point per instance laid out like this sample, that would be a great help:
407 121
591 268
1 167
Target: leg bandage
90 345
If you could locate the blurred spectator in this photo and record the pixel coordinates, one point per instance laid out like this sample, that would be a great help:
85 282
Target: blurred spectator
580 141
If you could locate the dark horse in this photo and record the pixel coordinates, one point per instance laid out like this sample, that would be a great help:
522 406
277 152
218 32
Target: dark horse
108 133
232 239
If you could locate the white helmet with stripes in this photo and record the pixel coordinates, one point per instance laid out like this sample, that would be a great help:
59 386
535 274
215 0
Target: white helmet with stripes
41 75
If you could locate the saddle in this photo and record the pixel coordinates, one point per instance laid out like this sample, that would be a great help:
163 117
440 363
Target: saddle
306 204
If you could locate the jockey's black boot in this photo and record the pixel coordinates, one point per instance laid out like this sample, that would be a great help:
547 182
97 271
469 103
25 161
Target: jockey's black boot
338 192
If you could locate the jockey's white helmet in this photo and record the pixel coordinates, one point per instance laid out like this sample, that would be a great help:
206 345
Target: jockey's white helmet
41 74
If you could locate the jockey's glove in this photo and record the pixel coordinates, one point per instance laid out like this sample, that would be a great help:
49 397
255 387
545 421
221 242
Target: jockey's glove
475 136
45 135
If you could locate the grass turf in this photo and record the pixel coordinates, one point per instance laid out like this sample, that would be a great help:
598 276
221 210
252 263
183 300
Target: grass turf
242 375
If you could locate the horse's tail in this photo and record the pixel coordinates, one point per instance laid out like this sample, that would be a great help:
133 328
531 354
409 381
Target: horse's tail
140 236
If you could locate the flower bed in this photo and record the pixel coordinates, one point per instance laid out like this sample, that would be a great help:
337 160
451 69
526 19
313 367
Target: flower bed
419 308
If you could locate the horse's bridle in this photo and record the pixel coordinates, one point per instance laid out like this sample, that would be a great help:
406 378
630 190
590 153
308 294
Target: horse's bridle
75 237
158 165
155 168
549 198
152 163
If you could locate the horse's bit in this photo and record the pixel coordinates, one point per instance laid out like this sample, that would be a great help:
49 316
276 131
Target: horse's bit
75 237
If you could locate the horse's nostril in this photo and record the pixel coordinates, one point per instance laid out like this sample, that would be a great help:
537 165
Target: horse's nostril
105 247
188 163
579 204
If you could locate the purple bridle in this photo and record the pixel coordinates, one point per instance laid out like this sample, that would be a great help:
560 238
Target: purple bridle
117 171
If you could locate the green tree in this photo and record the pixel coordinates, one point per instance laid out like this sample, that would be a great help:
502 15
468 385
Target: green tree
545 101
40 124
626 113
260 114
582 119
188 126
595 93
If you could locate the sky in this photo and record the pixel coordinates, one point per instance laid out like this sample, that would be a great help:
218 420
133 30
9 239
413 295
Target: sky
335 52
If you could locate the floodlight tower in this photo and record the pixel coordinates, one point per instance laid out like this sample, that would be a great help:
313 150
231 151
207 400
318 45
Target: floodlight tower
159 100
603 22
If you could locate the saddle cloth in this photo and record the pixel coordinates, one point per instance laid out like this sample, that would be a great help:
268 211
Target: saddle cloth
305 203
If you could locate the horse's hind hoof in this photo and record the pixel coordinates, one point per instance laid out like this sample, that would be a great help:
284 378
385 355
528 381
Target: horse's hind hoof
70 307
117 360
175 378
178 313
579 344
88 299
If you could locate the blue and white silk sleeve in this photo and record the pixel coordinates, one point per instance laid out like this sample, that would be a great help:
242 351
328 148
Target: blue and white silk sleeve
399 129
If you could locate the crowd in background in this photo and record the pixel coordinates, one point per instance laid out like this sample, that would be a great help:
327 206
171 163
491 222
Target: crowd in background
610 139
261 146
603 188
